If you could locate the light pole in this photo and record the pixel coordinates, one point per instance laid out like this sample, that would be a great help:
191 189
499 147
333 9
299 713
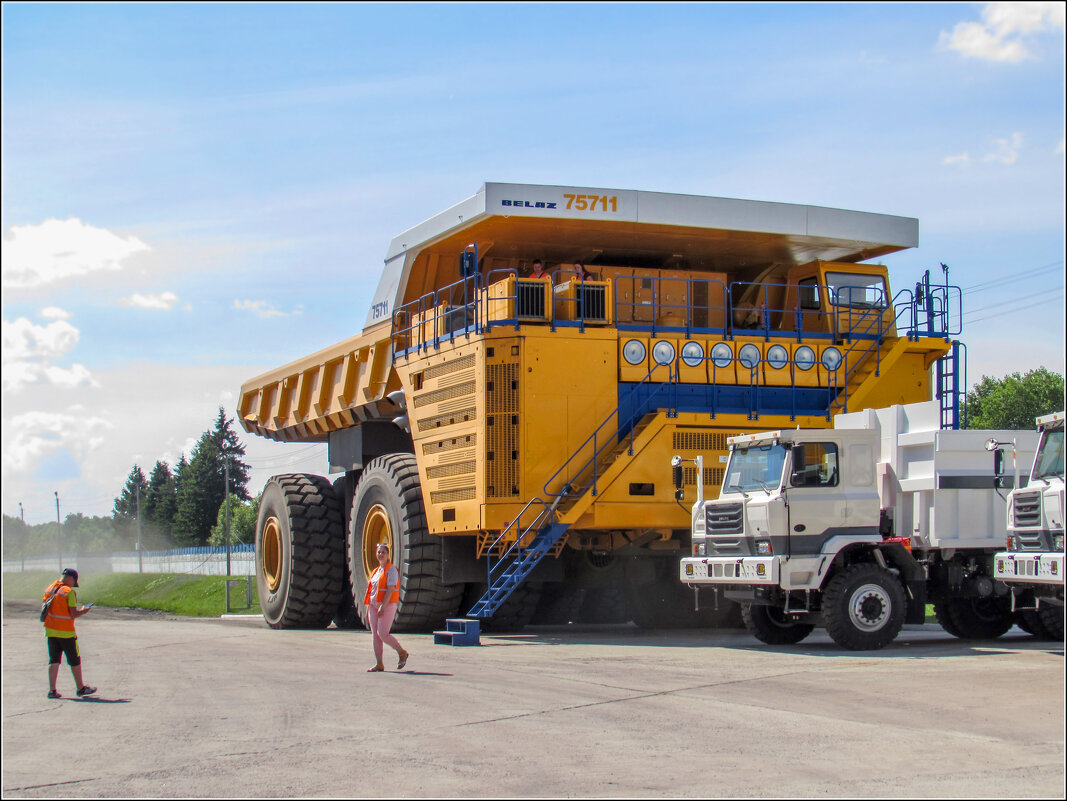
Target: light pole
22 517
59 535
140 555
226 525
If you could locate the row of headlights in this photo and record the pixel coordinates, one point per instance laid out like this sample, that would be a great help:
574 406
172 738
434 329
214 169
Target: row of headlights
722 354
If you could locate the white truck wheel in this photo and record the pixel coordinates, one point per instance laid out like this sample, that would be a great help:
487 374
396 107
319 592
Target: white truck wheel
863 607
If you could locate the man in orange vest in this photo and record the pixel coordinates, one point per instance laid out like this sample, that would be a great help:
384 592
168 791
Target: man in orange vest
59 630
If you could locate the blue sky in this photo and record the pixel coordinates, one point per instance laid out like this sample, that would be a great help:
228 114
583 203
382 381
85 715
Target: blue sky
195 193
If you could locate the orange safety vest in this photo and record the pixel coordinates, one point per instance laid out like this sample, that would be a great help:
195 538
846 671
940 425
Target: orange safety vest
59 617
380 578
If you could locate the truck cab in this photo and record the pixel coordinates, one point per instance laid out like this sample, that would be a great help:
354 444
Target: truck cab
1032 564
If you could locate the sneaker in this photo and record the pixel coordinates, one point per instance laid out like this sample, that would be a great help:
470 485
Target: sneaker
85 689
54 694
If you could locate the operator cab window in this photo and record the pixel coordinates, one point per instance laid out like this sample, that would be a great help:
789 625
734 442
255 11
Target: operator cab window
814 465
856 291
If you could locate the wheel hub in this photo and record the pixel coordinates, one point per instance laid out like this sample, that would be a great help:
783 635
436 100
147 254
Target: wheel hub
869 607
271 549
376 530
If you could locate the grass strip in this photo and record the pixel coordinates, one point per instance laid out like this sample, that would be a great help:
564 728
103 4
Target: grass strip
176 593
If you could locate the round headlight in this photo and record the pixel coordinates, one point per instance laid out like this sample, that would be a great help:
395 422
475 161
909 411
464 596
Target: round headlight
749 356
777 357
831 358
634 351
663 352
804 357
722 355
692 354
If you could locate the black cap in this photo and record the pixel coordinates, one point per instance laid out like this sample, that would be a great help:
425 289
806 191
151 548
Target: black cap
70 571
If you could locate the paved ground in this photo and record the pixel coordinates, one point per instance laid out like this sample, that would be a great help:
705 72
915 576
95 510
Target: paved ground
228 708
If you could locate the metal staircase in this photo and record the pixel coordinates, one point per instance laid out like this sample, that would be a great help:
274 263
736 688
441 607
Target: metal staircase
578 489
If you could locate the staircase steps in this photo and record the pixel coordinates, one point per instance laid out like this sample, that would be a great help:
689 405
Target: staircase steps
520 564
459 632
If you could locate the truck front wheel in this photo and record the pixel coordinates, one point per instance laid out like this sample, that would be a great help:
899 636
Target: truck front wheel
299 552
768 624
863 607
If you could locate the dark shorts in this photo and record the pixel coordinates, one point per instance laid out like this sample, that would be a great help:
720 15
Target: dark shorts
57 646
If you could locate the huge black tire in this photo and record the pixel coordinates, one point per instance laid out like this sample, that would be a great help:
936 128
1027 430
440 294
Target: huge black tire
979 618
604 605
515 614
299 552
558 605
1052 619
863 607
387 507
666 603
768 624
941 612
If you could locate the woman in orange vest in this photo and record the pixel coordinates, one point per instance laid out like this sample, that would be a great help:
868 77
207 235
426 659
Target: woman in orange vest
381 600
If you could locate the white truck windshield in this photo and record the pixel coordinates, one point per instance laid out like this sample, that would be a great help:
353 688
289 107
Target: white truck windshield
1049 461
756 467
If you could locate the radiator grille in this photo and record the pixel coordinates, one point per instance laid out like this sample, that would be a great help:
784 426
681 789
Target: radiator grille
700 441
455 469
438 395
530 300
1027 509
712 476
448 367
502 431
450 496
725 518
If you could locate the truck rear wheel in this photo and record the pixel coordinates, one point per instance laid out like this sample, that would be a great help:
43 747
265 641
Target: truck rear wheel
299 552
978 618
1052 619
768 624
863 607
387 507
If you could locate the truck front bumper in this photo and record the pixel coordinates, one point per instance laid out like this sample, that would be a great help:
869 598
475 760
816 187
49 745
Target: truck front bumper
764 570
1028 568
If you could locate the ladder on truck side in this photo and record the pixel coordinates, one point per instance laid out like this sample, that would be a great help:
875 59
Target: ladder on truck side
545 533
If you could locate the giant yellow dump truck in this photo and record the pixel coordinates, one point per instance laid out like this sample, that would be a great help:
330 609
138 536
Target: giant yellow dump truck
507 434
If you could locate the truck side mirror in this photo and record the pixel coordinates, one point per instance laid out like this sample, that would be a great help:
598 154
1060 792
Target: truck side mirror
676 467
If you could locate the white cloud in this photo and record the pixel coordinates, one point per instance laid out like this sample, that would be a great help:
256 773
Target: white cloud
29 351
164 301
258 307
1007 151
999 36
54 313
55 250
38 434
963 160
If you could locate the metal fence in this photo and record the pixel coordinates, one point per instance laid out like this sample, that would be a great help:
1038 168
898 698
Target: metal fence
204 561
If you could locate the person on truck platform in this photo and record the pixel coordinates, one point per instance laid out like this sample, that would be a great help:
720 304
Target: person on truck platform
539 270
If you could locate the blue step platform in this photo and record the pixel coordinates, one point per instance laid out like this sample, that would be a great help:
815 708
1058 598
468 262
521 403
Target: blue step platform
460 631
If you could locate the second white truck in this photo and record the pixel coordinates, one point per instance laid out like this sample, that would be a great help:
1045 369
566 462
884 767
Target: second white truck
1032 564
857 528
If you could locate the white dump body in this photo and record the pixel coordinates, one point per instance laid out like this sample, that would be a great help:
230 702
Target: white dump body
938 485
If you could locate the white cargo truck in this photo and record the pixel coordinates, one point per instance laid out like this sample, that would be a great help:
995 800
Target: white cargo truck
1032 565
857 528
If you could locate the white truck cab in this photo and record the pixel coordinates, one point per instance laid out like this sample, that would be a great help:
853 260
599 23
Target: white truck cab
858 527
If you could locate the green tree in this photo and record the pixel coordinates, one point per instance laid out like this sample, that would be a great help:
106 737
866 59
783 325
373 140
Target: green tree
16 537
1014 401
83 534
229 445
160 504
124 512
200 494
242 522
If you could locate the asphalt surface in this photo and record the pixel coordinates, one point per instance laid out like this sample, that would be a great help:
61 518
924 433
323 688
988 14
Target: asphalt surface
193 708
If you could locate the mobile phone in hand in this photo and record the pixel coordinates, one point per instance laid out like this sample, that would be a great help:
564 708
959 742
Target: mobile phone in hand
90 604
